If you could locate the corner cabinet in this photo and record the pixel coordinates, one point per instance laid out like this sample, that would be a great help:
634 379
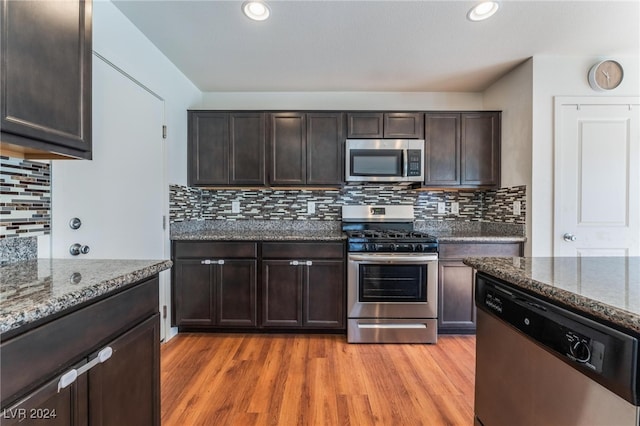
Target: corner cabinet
226 148
46 78
125 326
389 125
303 285
306 148
456 281
214 284
462 149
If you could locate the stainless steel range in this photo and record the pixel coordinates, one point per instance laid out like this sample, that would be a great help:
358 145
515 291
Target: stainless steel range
392 293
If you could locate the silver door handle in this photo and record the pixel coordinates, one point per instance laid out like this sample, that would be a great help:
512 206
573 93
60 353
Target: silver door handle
569 237
212 262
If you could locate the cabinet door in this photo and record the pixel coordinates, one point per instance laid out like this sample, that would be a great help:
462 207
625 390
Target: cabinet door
246 146
457 310
235 297
324 290
193 293
480 149
325 148
46 75
48 406
288 149
125 389
281 294
365 125
442 149
403 125
208 148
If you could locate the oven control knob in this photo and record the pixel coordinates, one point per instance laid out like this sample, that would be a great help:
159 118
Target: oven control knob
580 350
393 247
419 247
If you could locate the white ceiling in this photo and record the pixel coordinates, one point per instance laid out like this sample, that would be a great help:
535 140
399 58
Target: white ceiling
421 46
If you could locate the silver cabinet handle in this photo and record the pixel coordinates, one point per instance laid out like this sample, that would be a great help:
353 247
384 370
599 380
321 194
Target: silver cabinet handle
569 237
70 376
212 262
300 262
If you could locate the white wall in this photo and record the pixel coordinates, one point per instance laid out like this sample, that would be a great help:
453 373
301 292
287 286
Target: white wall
560 76
119 41
342 100
513 95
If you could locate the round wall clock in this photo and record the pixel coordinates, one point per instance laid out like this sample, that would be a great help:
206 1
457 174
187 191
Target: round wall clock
605 75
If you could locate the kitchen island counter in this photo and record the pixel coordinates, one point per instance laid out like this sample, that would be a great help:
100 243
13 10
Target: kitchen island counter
34 291
606 288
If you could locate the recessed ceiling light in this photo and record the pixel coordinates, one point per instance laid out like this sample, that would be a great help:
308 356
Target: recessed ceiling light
483 10
256 9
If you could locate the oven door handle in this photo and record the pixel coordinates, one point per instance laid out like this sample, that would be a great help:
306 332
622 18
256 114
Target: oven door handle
392 258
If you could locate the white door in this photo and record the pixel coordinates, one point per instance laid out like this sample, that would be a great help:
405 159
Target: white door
597 177
119 196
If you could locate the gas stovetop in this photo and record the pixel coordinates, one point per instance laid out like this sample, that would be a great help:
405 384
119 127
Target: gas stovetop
391 240
384 229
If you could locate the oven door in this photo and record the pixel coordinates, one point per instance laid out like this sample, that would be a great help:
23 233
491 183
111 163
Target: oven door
392 285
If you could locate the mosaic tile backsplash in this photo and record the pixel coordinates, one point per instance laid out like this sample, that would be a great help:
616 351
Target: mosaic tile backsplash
25 198
266 204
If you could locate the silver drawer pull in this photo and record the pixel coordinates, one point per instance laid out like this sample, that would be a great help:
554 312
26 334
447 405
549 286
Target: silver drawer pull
70 376
294 263
309 263
212 262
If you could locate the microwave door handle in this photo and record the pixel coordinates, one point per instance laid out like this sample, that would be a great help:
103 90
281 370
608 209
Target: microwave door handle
405 163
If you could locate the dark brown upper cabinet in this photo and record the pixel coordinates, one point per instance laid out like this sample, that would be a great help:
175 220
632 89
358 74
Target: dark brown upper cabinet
480 149
462 149
46 78
226 148
389 125
306 148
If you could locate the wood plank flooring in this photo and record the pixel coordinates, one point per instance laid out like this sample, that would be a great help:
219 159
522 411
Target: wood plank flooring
278 379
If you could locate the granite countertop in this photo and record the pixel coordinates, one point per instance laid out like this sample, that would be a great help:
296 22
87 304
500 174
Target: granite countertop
477 237
33 290
299 230
602 287
260 235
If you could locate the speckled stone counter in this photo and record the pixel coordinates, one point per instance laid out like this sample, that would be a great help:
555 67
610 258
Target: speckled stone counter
473 232
257 230
33 290
603 287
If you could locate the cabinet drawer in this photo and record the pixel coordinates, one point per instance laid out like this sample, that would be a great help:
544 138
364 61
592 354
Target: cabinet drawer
48 350
306 250
462 250
222 250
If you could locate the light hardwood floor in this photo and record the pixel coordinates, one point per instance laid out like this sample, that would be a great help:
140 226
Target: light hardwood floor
277 379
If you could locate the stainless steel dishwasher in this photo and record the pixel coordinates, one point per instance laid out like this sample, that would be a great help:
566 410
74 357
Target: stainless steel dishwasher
538 364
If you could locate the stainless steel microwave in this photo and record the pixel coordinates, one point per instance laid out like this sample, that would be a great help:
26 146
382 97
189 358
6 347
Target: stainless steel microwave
384 160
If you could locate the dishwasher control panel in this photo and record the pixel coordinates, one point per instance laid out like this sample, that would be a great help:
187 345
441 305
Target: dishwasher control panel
597 350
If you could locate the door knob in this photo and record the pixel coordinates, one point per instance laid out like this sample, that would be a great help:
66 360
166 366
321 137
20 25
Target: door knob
569 237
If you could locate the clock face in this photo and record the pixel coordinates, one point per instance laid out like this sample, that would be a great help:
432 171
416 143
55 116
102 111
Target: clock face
606 75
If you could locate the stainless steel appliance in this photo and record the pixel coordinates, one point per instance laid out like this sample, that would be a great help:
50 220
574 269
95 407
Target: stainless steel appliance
539 364
392 282
384 160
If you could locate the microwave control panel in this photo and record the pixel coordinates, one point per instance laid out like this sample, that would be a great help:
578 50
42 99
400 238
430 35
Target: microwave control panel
414 162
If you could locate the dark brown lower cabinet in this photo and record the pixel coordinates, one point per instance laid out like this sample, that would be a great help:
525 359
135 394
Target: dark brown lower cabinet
122 390
456 304
215 284
215 294
303 285
309 293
